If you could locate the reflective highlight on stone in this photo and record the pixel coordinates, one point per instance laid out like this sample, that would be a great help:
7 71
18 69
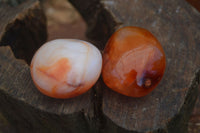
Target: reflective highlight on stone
66 68
133 62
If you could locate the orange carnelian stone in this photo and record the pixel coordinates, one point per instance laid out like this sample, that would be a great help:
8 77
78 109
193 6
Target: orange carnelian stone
133 62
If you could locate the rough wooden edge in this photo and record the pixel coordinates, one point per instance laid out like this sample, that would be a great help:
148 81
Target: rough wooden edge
182 119
23 114
25 23
195 4
105 124
178 124
26 116
101 23
102 120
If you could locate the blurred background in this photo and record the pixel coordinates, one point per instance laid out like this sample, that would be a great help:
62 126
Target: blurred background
63 20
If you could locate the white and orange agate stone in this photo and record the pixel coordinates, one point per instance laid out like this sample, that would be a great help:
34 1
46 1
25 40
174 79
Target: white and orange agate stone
65 68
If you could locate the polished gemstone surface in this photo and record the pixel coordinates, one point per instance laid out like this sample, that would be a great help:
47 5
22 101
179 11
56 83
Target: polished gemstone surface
133 62
66 68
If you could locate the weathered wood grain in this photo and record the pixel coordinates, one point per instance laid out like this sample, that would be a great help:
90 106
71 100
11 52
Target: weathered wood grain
166 110
176 24
23 28
27 109
194 123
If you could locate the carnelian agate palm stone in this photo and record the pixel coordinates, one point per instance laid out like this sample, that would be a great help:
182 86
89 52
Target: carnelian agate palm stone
66 68
133 62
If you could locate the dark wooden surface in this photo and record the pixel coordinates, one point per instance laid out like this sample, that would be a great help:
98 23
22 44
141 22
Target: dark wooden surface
166 109
30 111
23 28
176 25
194 123
195 4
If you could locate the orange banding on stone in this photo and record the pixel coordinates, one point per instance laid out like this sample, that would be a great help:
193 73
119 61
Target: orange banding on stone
58 70
133 62
65 68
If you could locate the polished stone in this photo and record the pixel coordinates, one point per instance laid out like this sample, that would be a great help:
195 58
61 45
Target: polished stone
133 62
